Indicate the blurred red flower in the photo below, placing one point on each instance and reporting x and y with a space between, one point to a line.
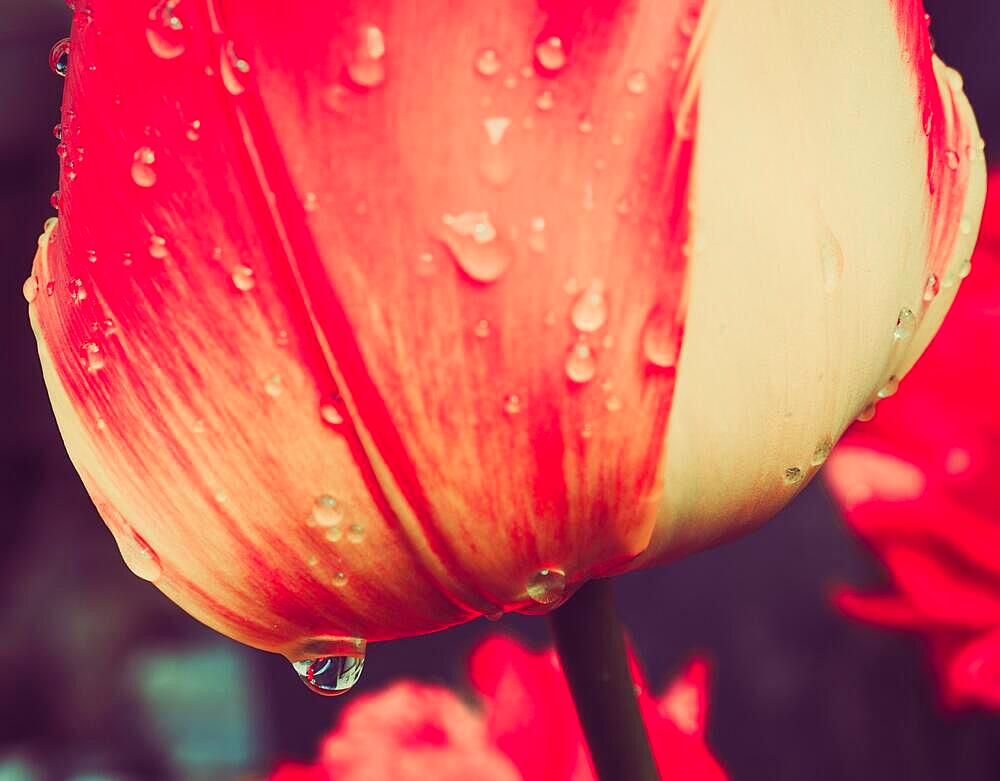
919 485
525 730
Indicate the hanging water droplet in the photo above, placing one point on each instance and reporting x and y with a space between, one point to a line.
890 388
550 54
793 475
965 268
832 259
613 403
512 404
590 311
243 279
233 69
581 366
57 132
482 329
193 133
905 324
330 676
273 386
30 288
547 586
340 579
91 256
93 357
488 63
164 30
545 100
355 533
365 65
867 413
473 242
637 82
497 163
822 452
143 173
59 57
54 200
330 410
327 511
932 287
138 555
158 247
661 339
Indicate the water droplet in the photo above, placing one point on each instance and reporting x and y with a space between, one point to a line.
233 69
661 339
365 65
688 23
867 413
587 431
327 511
93 357
243 279
62 151
952 159
890 387
832 259
273 386
581 366
126 258
550 54
497 163
545 100
637 82
482 329
340 579
965 226
164 31
932 287
537 241
310 202
330 409
472 240
193 133
77 292
91 256
158 247
547 586
138 555
488 63
586 125
822 452
54 200
613 403
965 268
59 57
793 475
50 288
330 676
57 132
355 533
512 404
905 324
30 289
143 173
590 311
334 534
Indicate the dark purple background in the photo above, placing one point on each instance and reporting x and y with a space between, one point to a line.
100 674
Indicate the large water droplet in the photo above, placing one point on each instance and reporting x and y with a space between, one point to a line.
138 555
889 389
952 160
551 54
661 339
822 452
867 413
143 173
473 242
590 311
30 288
243 279
487 63
932 287
327 511
905 324
581 366
832 259
158 247
331 410
793 475
233 69
331 676
59 57
547 586
164 31
366 63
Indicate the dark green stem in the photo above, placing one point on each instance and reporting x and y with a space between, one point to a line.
591 648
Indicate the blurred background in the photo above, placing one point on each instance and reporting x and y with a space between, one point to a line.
103 678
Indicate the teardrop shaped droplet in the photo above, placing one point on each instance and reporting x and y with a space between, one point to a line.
497 163
868 413
473 242
932 287
164 33
143 173
547 586
590 311
59 57
889 389
330 676
581 366
551 54
331 409
905 324
366 64
661 339
138 555
233 69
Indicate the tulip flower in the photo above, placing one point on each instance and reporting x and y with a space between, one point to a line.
361 320
918 484
523 730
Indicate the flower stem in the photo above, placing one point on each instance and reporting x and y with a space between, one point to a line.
591 647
